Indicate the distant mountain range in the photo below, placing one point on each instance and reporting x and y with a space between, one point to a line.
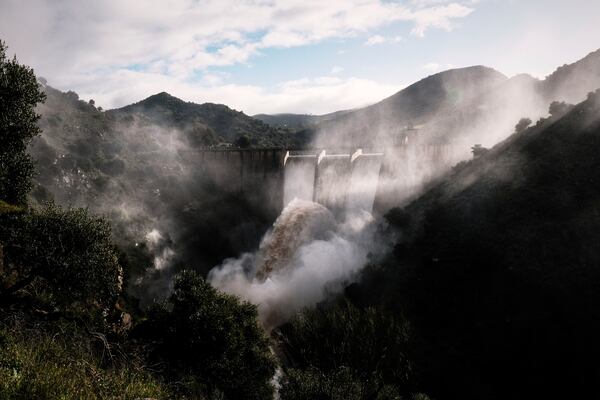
298 121
453 105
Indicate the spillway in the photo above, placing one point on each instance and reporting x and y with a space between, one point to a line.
299 177
332 180
363 181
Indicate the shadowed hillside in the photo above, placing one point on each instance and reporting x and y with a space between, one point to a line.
497 268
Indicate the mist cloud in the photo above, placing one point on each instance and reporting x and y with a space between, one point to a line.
323 257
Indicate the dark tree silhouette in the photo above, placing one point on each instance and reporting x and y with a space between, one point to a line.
522 125
19 94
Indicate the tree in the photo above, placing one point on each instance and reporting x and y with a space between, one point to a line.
478 150
212 339
242 142
19 94
559 108
68 253
522 125
92 103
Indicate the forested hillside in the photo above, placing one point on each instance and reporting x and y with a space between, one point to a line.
497 266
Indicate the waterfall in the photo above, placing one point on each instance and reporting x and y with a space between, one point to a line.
363 181
333 178
299 177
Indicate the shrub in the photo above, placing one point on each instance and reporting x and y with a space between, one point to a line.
211 340
339 384
364 349
68 253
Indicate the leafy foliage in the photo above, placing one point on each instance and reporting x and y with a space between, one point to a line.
211 340
523 124
68 251
339 384
19 94
341 350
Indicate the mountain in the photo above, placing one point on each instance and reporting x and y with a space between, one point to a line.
466 105
298 121
206 123
571 82
497 266
387 121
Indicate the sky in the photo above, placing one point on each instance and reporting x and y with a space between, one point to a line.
300 56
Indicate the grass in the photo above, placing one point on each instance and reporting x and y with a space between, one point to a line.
42 363
6 208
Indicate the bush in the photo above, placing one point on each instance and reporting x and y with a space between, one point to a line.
211 341
68 253
340 384
343 346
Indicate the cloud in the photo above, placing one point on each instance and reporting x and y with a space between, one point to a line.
373 40
66 36
336 70
440 17
378 39
310 95
116 51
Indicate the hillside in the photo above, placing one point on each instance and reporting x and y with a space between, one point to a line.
497 268
206 123
143 172
386 122
298 121
570 82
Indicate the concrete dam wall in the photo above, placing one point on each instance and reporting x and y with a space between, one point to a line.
349 179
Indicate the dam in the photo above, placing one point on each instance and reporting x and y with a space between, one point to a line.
340 179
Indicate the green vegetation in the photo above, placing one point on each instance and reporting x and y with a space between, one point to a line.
67 253
340 351
210 340
206 124
19 93
61 361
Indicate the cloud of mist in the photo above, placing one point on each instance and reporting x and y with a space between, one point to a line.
306 257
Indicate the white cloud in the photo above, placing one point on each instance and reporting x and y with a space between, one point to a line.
316 96
438 17
378 39
336 70
373 40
